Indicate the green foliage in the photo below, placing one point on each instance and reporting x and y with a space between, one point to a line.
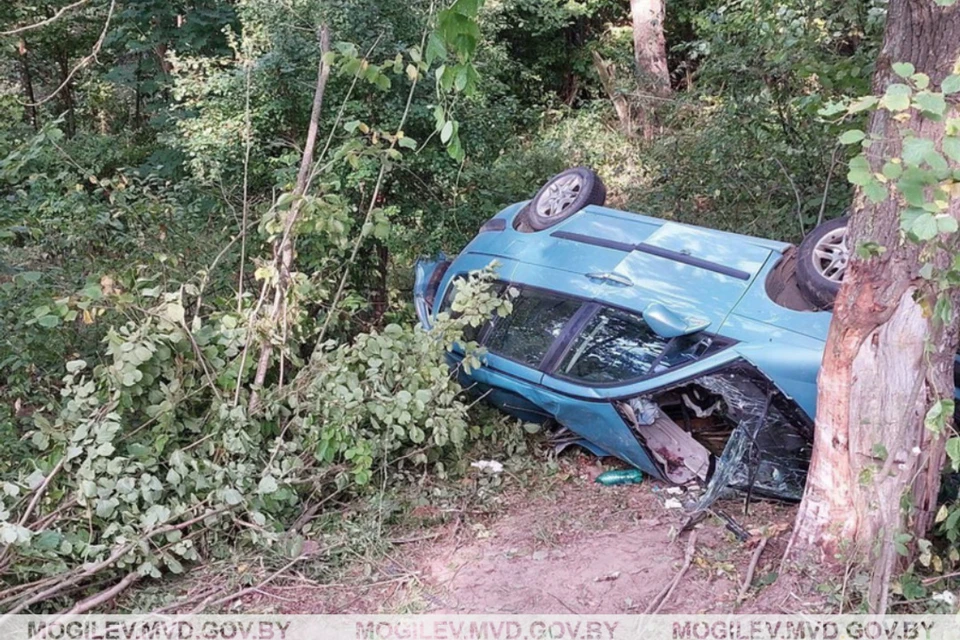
152 437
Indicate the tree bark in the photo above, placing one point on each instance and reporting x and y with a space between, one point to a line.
66 94
650 56
650 45
26 82
875 471
607 72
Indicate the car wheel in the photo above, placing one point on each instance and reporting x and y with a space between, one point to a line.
822 262
563 195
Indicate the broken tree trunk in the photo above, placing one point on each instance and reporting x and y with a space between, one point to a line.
876 468
283 249
607 71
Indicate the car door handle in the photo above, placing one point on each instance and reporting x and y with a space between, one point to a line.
615 278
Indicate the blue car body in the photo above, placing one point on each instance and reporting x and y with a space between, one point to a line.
712 280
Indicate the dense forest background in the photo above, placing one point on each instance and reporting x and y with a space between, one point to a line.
149 158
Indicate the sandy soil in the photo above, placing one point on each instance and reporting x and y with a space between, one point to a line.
571 546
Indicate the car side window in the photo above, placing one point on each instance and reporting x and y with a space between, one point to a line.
616 346
536 321
470 334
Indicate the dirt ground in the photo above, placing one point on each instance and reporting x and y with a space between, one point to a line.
572 546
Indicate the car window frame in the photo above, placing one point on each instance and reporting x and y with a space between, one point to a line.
717 344
558 349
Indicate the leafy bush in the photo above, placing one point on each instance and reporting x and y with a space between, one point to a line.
153 450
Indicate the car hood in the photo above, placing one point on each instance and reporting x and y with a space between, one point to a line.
632 261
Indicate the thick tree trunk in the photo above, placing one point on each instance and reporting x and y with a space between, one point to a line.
650 55
650 45
876 468
26 83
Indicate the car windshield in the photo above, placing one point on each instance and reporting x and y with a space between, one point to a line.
535 322
616 346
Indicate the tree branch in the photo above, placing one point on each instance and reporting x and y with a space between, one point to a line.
43 23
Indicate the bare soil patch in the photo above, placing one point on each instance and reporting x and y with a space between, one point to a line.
567 545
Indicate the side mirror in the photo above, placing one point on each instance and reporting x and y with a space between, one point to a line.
669 324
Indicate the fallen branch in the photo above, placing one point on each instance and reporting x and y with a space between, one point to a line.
664 596
37 495
751 569
273 576
104 596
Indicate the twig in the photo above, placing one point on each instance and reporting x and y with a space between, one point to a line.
826 186
273 576
429 536
796 194
38 494
83 62
104 596
43 23
751 569
664 596
248 135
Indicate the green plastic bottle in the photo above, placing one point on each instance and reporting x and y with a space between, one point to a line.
620 476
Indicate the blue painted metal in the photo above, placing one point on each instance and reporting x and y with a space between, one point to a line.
785 345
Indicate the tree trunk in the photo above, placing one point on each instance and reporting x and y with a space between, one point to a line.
876 468
650 45
650 55
66 94
26 82
283 247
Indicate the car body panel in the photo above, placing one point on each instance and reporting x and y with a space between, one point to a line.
631 261
596 421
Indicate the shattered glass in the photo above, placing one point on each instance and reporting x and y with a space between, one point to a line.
758 440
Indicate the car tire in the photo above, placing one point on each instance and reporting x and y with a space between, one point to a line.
822 261
562 196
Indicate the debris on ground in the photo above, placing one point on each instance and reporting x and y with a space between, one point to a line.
620 476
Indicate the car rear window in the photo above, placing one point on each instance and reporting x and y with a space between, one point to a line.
526 334
616 346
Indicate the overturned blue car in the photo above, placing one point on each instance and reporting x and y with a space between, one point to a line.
689 353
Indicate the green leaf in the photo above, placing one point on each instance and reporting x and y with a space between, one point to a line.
915 150
407 143
922 80
897 97
931 103
951 147
852 136
892 170
859 173
946 223
953 451
864 103
436 49
48 321
232 497
903 69
267 485
876 191
950 84
923 227
447 132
